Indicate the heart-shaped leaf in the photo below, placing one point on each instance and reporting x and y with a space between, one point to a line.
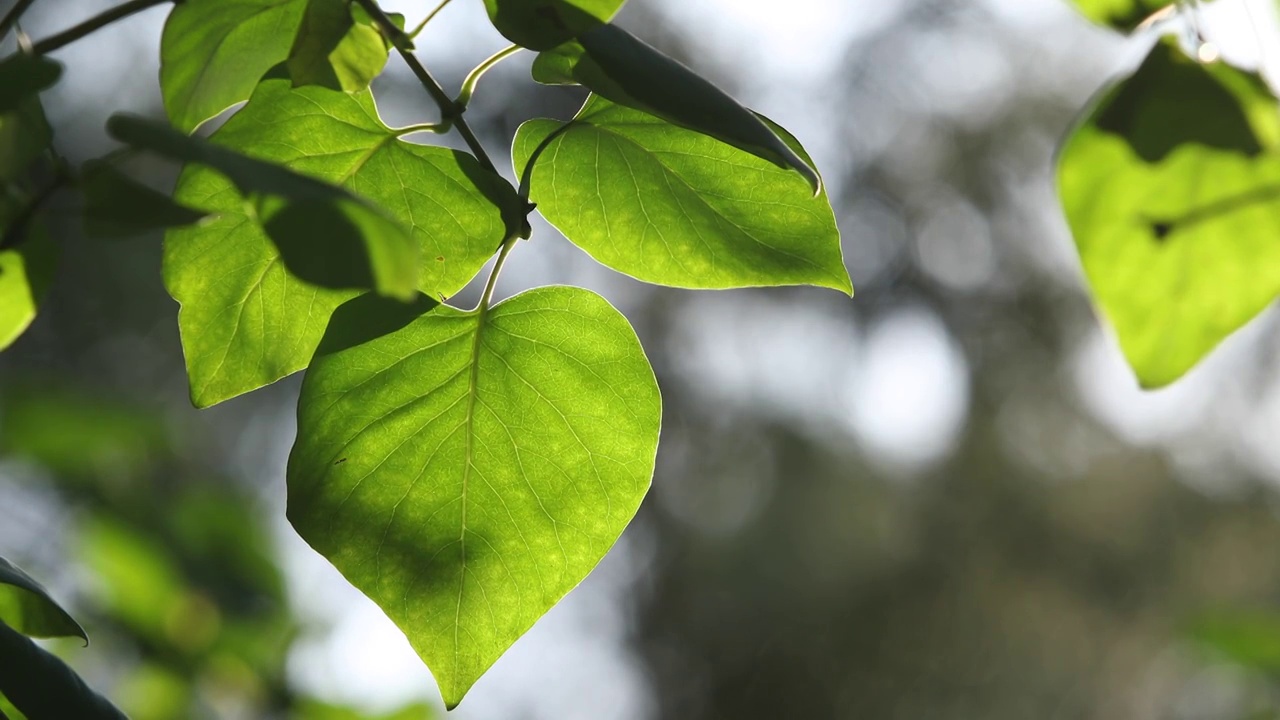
1171 186
469 469
214 52
28 608
245 321
675 207
544 24
613 64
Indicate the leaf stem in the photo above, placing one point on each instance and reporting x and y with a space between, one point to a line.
93 24
11 17
431 15
492 283
449 110
421 127
473 77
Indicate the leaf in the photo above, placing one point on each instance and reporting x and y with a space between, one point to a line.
24 136
28 608
214 52
1171 186
1124 15
323 234
245 322
674 207
41 686
22 77
116 205
338 47
544 24
612 63
469 470
26 272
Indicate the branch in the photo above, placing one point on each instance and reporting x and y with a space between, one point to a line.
93 24
450 111
11 17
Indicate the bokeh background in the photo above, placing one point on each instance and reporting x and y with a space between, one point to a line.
946 498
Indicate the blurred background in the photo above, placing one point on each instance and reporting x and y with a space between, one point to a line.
946 498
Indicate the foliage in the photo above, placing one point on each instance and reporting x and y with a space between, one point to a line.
466 468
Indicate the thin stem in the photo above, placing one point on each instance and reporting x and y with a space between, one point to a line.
11 18
489 286
473 77
448 108
414 33
421 127
93 24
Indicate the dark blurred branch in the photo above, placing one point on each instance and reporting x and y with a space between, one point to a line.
11 17
16 232
93 24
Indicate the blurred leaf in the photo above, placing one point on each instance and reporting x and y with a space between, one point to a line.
22 77
221 536
674 207
42 686
116 205
1122 15
613 64
338 47
245 322
214 52
24 137
26 272
1250 639
315 710
154 692
28 608
8 711
468 470
323 234
544 24
78 436
1171 187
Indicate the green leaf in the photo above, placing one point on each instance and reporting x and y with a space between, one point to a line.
674 207
116 205
246 322
544 24
470 469
1124 15
338 47
22 77
28 608
214 52
612 63
1171 186
323 234
26 272
24 136
41 686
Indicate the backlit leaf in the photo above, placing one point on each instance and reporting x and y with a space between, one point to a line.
26 272
544 24
213 53
28 608
338 47
470 469
1122 15
1171 187
613 64
246 322
675 207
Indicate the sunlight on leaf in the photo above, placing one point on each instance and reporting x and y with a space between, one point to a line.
28 608
468 470
674 207
1171 187
543 24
